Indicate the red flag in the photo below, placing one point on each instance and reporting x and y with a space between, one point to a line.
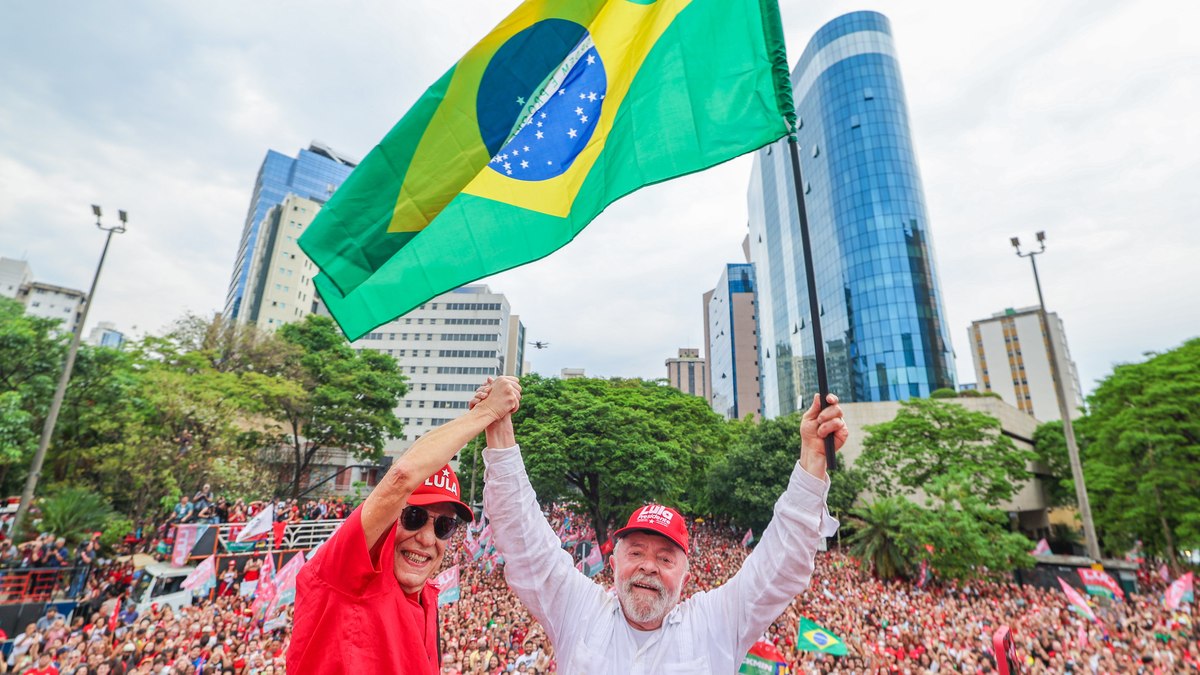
607 547
114 619
748 538
1042 548
1164 573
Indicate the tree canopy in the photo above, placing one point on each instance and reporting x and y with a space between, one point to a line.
1142 451
609 446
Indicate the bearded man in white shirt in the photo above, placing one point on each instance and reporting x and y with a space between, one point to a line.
642 628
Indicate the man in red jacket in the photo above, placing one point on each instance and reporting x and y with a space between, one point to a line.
363 604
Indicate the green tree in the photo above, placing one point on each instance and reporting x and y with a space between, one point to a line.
745 482
609 446
880 539
968 538
1050 444
940 445
337 398
1143 427
73 512
31 353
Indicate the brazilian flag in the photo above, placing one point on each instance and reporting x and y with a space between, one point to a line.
812 638
565 107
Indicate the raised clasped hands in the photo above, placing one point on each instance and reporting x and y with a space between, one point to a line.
499 397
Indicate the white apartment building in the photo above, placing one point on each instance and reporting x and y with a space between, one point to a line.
54 302
280 282
1011 354
446 348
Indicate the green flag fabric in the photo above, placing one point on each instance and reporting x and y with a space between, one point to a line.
565 107
813 638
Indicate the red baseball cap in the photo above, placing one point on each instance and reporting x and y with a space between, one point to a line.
442 488
657 519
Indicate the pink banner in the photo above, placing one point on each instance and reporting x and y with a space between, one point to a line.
186 537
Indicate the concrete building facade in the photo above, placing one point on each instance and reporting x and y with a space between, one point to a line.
446 347
731 339
1011 353
280 288
686 372
314 174
1029 506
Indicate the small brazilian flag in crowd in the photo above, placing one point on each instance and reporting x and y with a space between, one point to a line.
565 107
813 638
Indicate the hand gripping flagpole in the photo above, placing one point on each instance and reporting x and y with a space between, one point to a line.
814 309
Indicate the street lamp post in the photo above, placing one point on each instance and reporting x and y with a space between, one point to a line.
39 458
1081 496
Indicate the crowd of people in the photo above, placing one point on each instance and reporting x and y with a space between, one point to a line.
887 627
218 635
206 507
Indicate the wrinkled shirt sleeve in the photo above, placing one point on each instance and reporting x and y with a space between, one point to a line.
536 567
780 566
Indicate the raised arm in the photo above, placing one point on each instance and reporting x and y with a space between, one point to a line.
782 564
537 569
430 453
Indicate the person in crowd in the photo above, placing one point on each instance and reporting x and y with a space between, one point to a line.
644 625
363 603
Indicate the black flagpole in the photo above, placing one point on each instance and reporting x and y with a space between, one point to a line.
814 309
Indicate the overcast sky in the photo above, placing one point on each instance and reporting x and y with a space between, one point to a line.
1078 118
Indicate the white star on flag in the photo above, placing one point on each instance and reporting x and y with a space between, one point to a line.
591 96
578 111
571 133
582 95
539 135
583 119
591 59
507 166
516 152
524 164
520 101
543 115
526 148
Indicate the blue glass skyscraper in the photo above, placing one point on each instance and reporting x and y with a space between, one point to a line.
880 302
313 174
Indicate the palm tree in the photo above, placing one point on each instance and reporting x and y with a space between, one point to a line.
879 541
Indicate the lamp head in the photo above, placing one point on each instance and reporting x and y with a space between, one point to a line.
95 210
123 216
1041 236
1016 242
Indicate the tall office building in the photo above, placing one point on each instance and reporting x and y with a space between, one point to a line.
1011 351
686 373
446 348
280 285
314 174
731 337
879 300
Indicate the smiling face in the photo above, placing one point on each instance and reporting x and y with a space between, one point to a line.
419 554
649 571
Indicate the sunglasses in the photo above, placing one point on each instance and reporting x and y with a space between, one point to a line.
414 518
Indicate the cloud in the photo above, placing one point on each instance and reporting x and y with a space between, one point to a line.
1072 118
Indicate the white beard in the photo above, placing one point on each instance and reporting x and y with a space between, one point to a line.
640 608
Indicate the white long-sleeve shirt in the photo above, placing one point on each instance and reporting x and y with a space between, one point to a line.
708 633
